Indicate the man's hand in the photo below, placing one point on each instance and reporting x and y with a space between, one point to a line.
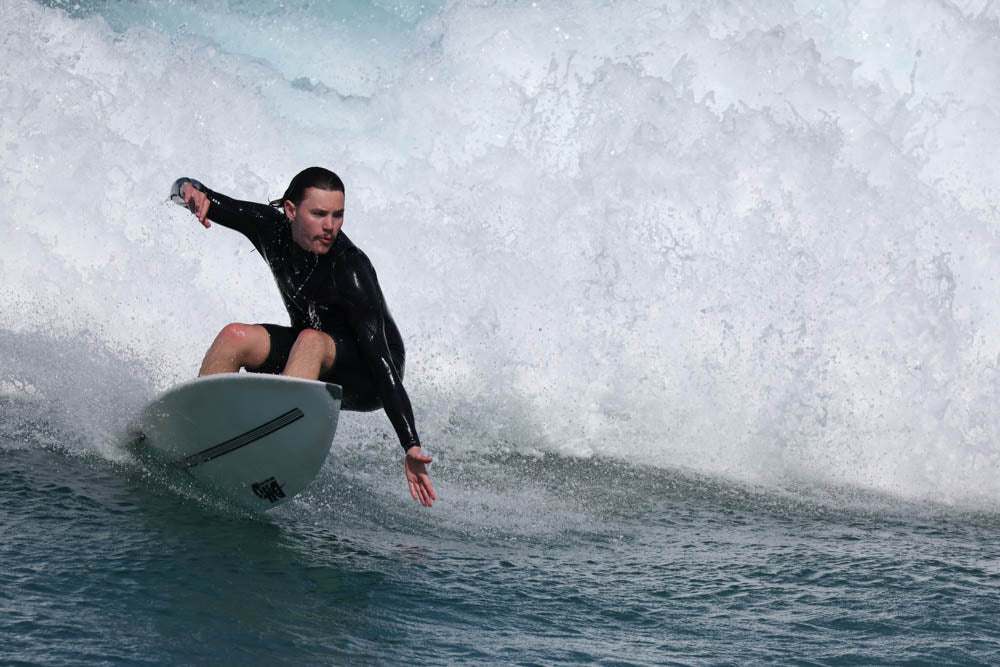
416 475
197 202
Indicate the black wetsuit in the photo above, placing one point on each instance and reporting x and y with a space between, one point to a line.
336 293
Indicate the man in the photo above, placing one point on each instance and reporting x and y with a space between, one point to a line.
341 330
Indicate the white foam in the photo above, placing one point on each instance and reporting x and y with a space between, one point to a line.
755 240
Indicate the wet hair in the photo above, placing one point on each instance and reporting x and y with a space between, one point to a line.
313 177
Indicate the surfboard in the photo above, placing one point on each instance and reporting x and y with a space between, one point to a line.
256 439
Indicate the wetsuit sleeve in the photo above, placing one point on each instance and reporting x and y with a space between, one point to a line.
360 286
248 218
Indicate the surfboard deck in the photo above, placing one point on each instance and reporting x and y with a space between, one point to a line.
256 439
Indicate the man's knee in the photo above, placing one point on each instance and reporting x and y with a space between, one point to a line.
234 333
319 343
248 343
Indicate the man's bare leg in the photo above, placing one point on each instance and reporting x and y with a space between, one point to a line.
237 346
312 355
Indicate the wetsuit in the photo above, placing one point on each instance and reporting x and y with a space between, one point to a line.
336 293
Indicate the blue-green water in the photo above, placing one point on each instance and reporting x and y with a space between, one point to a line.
102 564
699 305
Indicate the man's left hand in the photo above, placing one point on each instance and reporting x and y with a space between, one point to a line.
417 477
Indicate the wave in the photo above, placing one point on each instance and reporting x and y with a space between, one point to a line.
753 241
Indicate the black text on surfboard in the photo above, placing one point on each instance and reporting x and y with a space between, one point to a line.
268 489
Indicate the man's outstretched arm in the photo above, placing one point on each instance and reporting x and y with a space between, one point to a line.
245 217
369 327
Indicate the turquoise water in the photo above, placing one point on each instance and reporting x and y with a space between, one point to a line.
699 305
646 567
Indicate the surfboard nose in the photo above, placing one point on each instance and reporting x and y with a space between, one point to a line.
257 439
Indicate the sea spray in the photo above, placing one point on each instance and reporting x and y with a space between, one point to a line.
749 241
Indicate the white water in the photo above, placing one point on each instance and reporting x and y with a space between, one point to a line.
751 239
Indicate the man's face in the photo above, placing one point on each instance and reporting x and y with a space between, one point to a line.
317 219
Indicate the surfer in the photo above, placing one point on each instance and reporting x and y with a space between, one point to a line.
341 330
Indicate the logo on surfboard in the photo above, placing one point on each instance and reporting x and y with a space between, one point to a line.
269 489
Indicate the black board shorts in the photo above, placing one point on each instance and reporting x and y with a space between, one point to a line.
349 369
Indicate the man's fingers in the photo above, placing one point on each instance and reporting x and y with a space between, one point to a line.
198 205
416 491
419 480
203 212
419 489
425 484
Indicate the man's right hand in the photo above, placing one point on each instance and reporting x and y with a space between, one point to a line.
197 202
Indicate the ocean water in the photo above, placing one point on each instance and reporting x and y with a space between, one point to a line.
699 301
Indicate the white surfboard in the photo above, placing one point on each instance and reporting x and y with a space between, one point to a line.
257 439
